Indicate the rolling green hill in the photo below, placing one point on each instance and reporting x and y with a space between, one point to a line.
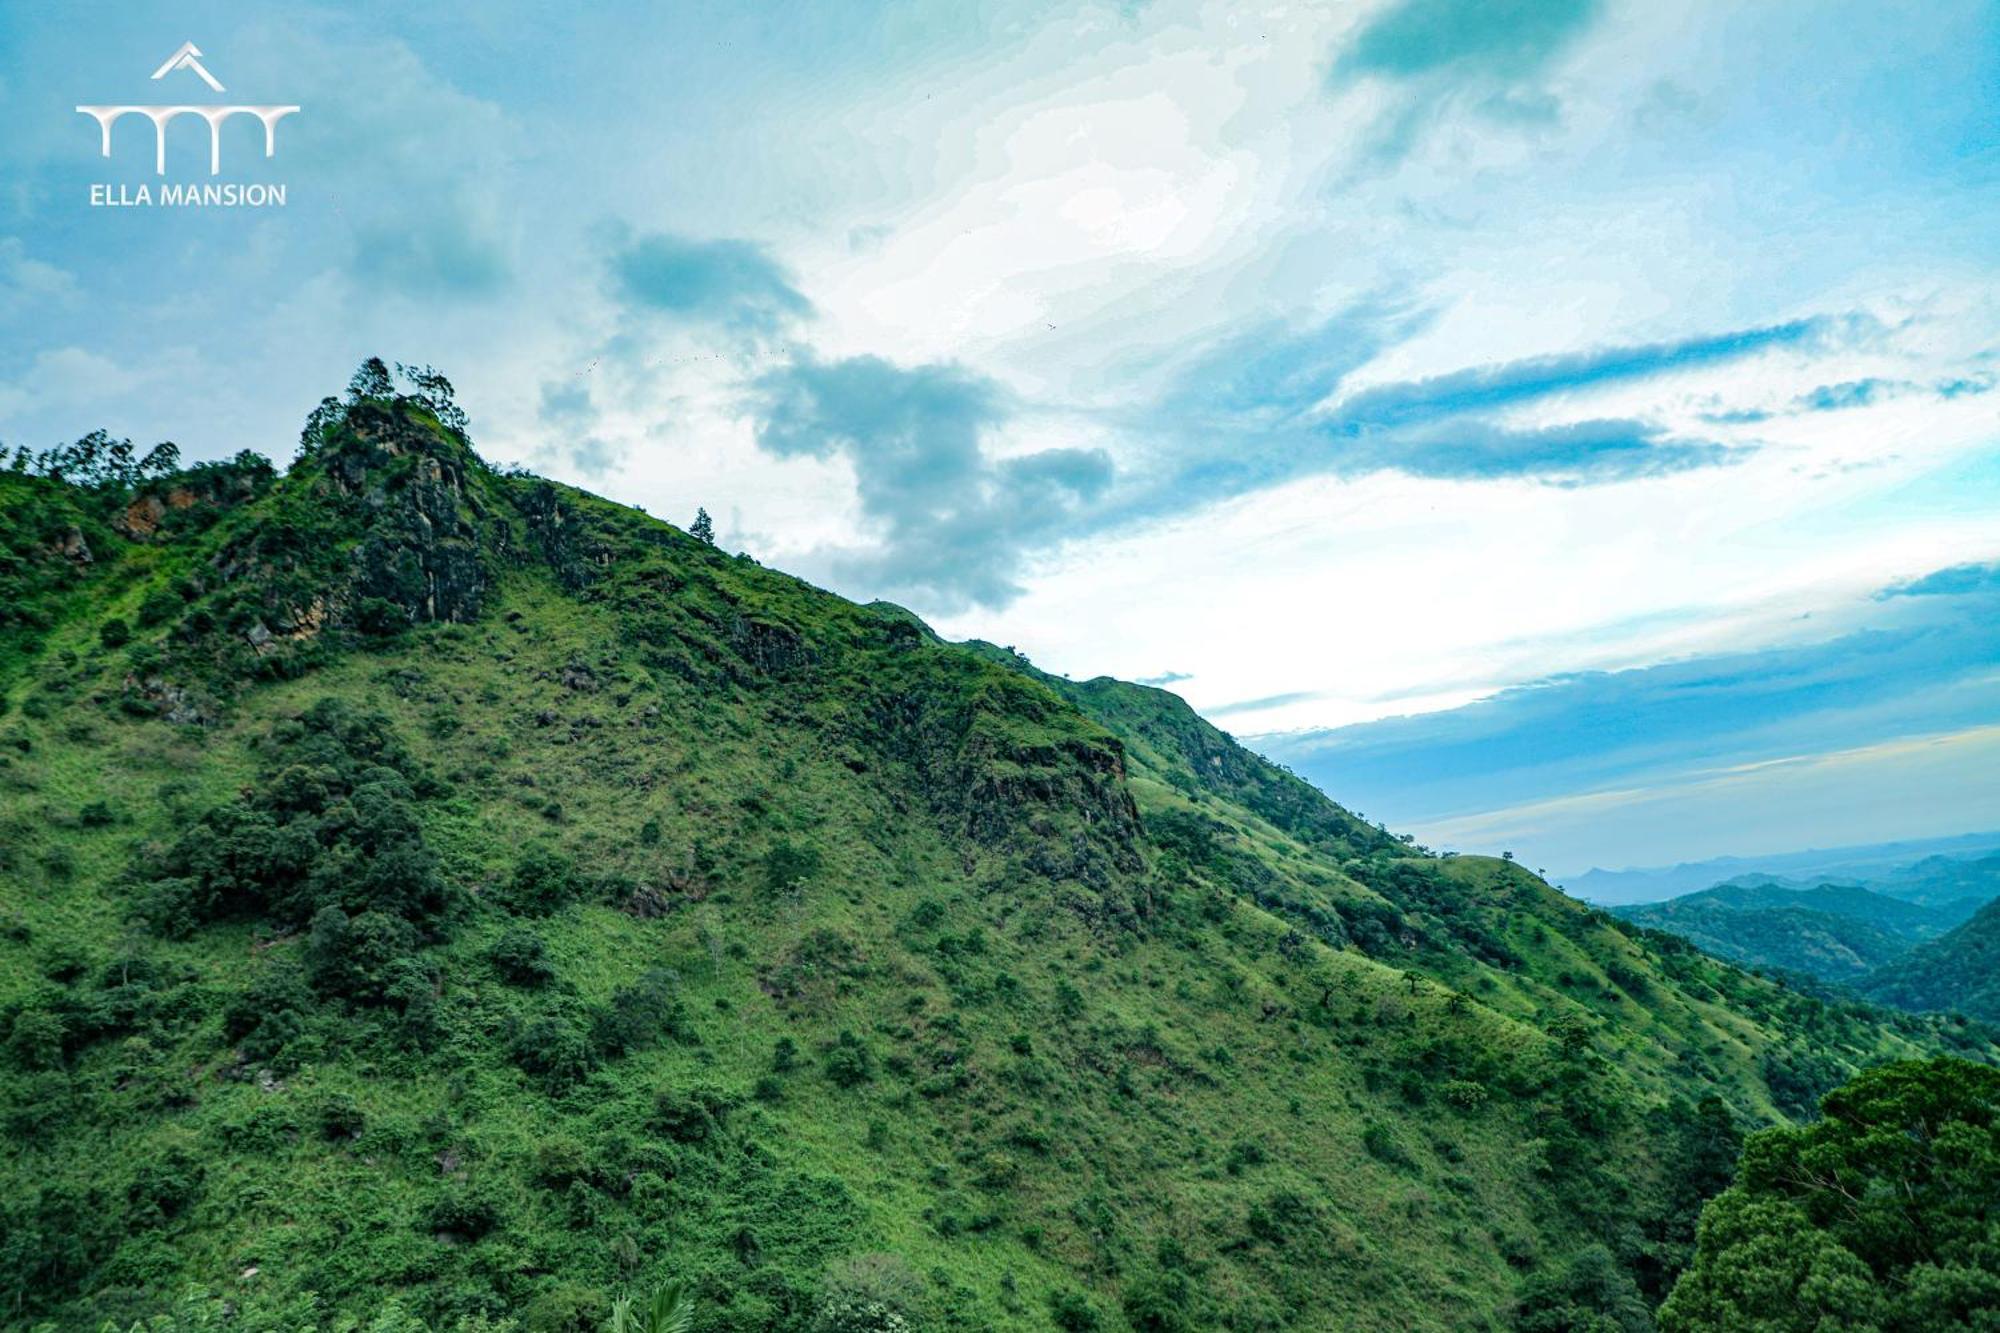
434 893
1833 932
1959 972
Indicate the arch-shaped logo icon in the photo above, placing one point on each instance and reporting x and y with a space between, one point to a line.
188 58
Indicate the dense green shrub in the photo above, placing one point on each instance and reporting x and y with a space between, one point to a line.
1161 1303
359 958
271 1014
36 1039
159 606
544 881
690 1115
1591 1292
647 1011
335 823
788 865
1072 1312
555 1049
848 1062
521 958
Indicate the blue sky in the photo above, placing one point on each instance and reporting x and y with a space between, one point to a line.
1565 425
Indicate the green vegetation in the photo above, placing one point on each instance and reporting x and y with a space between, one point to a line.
1959 971
1935 947
1884 1214
1832 932
459 899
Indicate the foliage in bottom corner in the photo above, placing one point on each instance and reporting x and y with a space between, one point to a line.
1883 1215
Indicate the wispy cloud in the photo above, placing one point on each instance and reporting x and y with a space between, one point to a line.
1580 453
1274 370
1266 405
1264 704
1869 391
1849 393
1487 388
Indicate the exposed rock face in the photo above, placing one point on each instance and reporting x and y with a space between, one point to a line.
72 547
423 557
563 538
771 648
1057 799
422 554
143 516
173 703
208 488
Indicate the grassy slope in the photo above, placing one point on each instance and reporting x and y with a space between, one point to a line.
1103 1063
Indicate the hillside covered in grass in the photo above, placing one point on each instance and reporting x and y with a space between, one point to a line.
428 893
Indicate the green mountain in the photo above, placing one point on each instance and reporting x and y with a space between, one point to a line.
1959 972
432 893
1834 932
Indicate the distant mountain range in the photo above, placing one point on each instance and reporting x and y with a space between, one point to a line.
1845 865
1836 932
1921 936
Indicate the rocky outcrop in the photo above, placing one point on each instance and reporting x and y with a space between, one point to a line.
423 553
388 533
200 494
423 557
141 519
1011 767
170 702
771 648
71 546
566 541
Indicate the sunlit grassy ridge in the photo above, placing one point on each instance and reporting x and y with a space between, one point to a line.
742 933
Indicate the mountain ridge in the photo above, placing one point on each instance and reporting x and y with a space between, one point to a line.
1834 932
438 888
1657 883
